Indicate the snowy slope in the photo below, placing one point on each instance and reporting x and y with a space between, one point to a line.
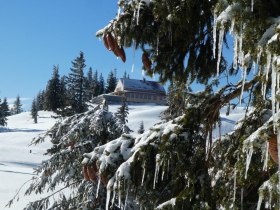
17 158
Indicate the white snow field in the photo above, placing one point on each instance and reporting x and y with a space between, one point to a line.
17 158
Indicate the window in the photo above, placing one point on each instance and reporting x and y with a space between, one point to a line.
155 97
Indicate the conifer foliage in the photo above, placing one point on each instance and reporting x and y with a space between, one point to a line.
52 96
34 110
141 128
76 84
111 82
17 108
71 138
3 114
180 165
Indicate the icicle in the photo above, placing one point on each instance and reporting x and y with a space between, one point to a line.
265 157
133 56
268 64
273 96
278 148
254 67
252 5
119 12
260 201
220 48
214 35
98 186
248 159
244 71
240 42
138 13
235 50
232 26
127 190
156 170
163 172
234 184
119 194
270 198
113 199
108 199
143 176
277 92
259 55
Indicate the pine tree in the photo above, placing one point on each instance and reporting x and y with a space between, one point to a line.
76 84
101 85
96 85
122 115
111 82
52 95
182 41
41 100
34 110
5 107
3 118
125 75
181 166
175 100
98 126
89 85
141 128
17 106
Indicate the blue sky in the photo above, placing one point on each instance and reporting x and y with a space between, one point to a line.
37 34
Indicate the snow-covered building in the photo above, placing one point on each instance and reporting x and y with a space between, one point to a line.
141 91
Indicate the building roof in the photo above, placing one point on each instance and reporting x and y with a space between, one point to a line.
141 85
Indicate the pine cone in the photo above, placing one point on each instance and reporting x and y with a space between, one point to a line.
119 52
92 172
272 148
85 173
146 61
105 41
111 41
122 54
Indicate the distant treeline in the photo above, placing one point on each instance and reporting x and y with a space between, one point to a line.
69 94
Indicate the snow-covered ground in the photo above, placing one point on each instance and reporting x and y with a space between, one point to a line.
17 158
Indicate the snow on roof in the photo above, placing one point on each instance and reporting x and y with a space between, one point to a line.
141 85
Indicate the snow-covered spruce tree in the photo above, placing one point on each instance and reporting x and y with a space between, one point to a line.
53 97
34 110
179 164
3 117
62 173
141 128
183 41
122 114
111 81
5 107
17 108
101 85
76 85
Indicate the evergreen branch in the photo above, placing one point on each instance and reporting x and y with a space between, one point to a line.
17 193
42 200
